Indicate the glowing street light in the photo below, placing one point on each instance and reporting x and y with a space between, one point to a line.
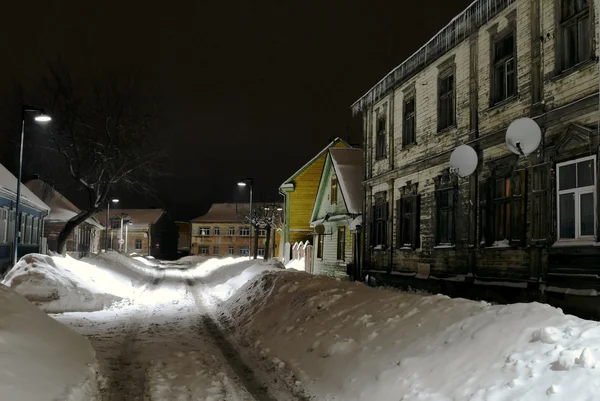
113 200
243 183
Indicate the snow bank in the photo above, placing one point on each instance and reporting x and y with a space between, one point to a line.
62 284
40 359
297 264
346 341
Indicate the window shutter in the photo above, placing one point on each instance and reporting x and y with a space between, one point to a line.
399 214
438 216
416 222
485 229
386 215
541 216
518 223
372 227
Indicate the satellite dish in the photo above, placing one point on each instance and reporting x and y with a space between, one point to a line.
523 136
320 229
463 160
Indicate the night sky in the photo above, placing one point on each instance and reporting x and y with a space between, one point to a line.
253 88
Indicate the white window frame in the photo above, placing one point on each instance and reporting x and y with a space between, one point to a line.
261 252
231 250
136 243
3 225
204 231
203 248
244 231
217 230
262 232
244 251
578 192
231 230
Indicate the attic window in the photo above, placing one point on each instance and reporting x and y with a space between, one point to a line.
334 189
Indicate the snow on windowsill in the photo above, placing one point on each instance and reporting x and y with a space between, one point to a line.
575 242
501 284
445 246
459 278
570 291
500 244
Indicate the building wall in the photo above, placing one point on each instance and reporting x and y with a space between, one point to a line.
565 106
222 241
329 264
84 239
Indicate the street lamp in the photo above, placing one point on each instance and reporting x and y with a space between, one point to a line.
40 117
113 200
243 183
121 240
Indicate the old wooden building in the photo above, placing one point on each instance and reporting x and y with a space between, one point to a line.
526 224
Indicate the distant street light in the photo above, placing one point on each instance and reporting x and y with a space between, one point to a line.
40 117
113 200
243 183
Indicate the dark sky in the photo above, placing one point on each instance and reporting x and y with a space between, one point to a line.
250 88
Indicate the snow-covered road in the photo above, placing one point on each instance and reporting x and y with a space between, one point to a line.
165 346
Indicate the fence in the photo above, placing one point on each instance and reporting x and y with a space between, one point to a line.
300 251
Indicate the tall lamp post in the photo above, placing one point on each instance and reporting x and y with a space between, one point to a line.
113 200
41 117
248 182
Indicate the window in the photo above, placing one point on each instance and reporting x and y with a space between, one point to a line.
505 78
408 128
320 246
3 225
244 251
379 224
217 231
262 232
138 244
576 35
22 236
231 230
501 204
445 215
341 243
539 202
115 224
408 229
380 138
446 100
261 252
203 250
231 251
576 198
204 231
334 189
216 250
245 231
35 231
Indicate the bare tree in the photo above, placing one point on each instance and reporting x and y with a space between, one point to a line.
266 216
102 132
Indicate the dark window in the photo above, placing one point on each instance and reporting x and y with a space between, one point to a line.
445 215
215 250
320 246
380 140
334 189
138 244
446 101
341 243
203 250
576 36
379 224
217 231
539 202
408 128
231 230
245 231
505 78
408 229
231 251
115 224
204 231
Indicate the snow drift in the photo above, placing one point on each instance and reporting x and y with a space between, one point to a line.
40 359
346 341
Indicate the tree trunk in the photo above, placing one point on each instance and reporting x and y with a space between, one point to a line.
255 241
67 230
267 241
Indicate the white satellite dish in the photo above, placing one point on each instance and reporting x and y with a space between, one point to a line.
463 160
523 136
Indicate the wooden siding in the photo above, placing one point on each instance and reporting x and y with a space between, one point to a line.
329 265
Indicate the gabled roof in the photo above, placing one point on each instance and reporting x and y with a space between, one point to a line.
140 218
349 165
311 161
61 209
8 184
225 213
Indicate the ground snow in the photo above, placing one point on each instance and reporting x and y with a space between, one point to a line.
40 359
297 264
345 341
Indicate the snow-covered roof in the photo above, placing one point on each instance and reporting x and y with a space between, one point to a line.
8 183
348 164
458 29
224 213
140 219
311 161
61 209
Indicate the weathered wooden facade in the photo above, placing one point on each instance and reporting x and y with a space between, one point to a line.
33 213
526 224
184 243
299 192
338 204
85 238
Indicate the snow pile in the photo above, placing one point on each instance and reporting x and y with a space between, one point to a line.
40 359
62 284
297 264
346 341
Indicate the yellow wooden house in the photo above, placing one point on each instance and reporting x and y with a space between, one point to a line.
299 192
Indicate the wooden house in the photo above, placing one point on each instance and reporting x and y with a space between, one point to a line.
84 239
33 212
337 212
299 192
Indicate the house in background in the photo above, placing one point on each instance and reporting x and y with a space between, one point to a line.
33 212
337 212
149 232
224 231
84 239
299 192
184 242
